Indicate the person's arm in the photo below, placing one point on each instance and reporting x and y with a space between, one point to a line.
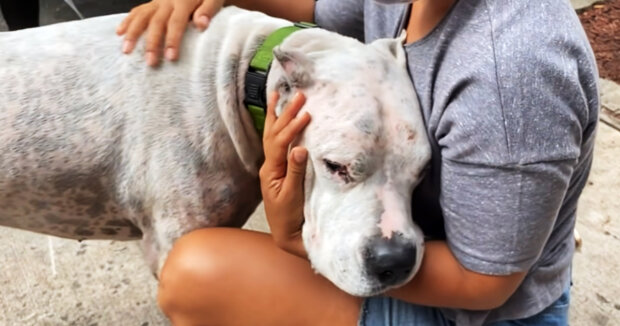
441 281
170 17
299 10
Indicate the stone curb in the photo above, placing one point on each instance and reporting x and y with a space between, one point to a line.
582 4
610 103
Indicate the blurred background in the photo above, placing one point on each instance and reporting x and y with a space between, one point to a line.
20 14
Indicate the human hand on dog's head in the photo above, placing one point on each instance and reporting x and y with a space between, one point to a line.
167 17
282 178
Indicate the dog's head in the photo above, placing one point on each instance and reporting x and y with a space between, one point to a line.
367 149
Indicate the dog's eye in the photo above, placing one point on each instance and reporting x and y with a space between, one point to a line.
338 169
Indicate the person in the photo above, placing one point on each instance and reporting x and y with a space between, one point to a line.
508 92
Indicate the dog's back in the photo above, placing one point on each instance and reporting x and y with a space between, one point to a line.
91 139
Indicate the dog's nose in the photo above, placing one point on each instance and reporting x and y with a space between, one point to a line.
391 260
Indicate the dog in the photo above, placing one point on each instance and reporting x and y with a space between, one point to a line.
96 145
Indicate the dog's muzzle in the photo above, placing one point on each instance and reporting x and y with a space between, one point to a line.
389 261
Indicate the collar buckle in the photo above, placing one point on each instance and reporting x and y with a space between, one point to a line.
255 84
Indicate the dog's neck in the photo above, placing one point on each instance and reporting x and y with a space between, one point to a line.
233 39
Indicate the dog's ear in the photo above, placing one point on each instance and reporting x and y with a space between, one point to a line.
297 68
393 47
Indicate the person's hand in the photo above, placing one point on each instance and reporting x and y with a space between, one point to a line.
281 179
168 17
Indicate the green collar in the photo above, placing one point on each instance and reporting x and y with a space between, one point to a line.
256 77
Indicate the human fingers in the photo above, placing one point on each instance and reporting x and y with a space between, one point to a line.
205 12
176 27
289 113
276 142
156 30
122 27
295 172
134 24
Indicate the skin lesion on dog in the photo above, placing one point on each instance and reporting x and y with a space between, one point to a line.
90 191
366 125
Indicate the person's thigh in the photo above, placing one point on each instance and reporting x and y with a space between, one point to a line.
385 311
554 315
225 276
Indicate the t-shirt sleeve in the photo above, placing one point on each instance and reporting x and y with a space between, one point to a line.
509 150
498 218
345 17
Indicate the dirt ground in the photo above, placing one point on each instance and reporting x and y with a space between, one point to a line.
602 24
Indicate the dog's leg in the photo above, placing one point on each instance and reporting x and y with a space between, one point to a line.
191 193
170 220
150 250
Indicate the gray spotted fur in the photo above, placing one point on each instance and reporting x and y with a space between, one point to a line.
96 145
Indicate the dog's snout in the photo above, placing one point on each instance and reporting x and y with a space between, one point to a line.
390 261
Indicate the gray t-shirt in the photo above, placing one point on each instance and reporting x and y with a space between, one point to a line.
508 91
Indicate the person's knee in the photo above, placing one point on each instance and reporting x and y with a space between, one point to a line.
189 278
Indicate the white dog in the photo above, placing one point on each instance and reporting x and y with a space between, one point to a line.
94 144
